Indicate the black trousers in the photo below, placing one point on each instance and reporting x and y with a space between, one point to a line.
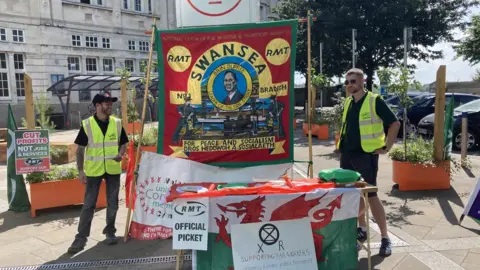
89 203
364 163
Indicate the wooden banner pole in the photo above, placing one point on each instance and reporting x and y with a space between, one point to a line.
140 137
123 102
29 104
441 84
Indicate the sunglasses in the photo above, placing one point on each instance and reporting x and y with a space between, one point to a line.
347 82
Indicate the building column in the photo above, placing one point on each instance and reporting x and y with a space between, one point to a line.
12 85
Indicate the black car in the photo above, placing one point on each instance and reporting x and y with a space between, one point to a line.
425 127
394 100
425 105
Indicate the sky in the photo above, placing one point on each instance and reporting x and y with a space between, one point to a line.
457 69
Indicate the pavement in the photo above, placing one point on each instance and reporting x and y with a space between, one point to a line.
423 227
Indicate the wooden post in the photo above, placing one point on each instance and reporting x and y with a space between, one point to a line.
309 87
464 139
439 113
140 137
29 107
123 101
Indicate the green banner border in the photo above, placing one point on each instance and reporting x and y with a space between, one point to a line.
161 79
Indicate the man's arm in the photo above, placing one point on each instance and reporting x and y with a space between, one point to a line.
390 120
80 157
81 141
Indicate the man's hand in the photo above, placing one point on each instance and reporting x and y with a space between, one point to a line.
381 151
118 158
82 178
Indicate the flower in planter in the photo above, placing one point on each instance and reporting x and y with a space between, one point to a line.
64 172
150 137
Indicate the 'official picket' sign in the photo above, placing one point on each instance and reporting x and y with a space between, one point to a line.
190 224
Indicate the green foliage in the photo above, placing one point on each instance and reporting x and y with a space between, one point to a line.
476 77
379 27
43 110
400 81
63 172
150 137
421 152
57 152
468 48
334 115
320 80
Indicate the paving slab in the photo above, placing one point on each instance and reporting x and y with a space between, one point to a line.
456 256
410 262
435 260
472 259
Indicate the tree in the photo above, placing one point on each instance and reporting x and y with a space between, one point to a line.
469 47
476 77
379 25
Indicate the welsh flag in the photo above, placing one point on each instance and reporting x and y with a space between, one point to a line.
333 214
16 190
448 131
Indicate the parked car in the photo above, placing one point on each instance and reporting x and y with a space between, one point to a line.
394 100
426 125
425 105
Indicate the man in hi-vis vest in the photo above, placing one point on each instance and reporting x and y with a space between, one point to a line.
362 140
101 144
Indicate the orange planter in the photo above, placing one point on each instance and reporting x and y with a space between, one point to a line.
410 177
61 193
151 148
321 131
134 128
294 123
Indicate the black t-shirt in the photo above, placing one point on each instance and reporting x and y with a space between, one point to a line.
82 138
350 141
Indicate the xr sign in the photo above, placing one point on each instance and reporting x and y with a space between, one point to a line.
214 8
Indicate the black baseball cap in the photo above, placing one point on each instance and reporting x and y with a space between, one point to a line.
105 97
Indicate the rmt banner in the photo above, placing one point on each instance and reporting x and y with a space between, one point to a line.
226 93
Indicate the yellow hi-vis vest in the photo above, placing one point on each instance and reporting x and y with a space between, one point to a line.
101 150
372 135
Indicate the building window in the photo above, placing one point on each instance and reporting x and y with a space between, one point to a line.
84 96
131 45
20 84
91 42
143 65
76 41
130 65
125 4
108 65
18 36
3 34
143 46
18 61
138 5
149 6
106 43
73 64
91 64
56 78
92 2
3 76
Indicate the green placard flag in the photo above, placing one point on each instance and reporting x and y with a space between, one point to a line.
16 190
448 131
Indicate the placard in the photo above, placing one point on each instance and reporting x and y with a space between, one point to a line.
190 224
32 151
273 245
216 12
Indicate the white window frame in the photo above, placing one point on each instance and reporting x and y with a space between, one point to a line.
112 65
108 43
76 40
150 6
132 44
137 4
126 4
4 35
78 62
18 36
87 65
133 65
144 46
93 41
5 71
19 71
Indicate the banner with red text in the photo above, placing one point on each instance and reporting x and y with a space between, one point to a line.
226 93
152 217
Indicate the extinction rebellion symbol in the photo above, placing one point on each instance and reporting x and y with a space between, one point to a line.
269 235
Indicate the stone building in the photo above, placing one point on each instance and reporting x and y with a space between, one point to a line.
53 39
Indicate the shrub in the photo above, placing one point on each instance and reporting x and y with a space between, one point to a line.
56 173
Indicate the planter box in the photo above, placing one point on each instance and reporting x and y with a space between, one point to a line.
61 193
134 128
151 148
320 131
410 177
3 152
68 157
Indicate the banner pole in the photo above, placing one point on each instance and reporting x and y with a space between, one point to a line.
310 110
145 98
